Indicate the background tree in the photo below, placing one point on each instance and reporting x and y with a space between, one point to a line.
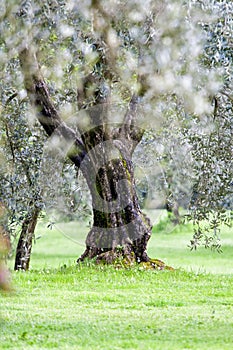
207 141
211 138
19 173
168 163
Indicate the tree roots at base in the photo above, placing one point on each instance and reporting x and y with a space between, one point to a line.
119 259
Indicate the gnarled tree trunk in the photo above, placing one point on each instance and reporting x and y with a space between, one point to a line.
24 246
118 222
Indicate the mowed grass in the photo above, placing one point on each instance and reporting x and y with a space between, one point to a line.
58 305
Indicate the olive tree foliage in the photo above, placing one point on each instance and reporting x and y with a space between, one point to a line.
21 147
202 173
164 60
212 199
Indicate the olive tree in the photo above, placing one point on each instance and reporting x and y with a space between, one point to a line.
211 138
114 67
19 189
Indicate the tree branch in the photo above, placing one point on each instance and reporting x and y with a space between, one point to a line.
46 111
130 115
227 95
129 131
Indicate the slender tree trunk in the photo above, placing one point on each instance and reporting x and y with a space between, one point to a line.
24 247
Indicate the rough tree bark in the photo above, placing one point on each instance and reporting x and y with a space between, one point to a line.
118 222
24 246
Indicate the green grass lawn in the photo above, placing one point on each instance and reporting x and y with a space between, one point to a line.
60 306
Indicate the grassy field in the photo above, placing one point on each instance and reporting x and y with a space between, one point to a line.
60 306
